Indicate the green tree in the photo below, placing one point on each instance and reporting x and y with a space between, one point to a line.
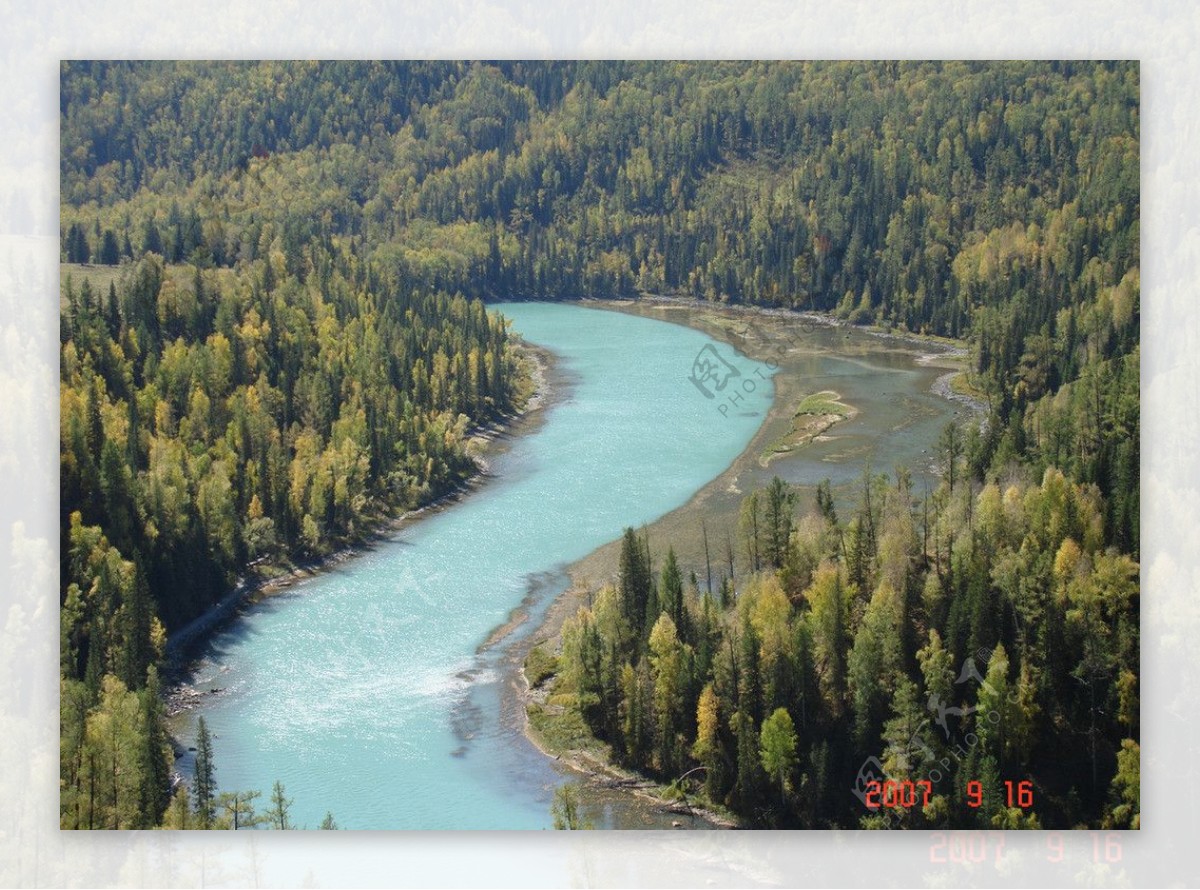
113 765
671 595
204 782
749 761
778 750
634 580
750 526
279 812
179 812
566 810
109 253
156 765
875 662
778 509
1126 794
950 447
238 809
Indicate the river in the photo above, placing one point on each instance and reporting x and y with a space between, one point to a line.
361 688
368 690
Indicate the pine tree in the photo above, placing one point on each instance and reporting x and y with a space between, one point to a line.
157 764
672 594
179 811
238 807
746 789
77 248
281 806
204 783
825 502
634 581
950 446
109 253
751 531
777 513
151 240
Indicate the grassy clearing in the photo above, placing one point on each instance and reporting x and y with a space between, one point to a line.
962 385
825 402
559 729
539 665
814 415
100 277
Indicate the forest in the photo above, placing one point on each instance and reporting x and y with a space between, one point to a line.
974 635
294 342
216 421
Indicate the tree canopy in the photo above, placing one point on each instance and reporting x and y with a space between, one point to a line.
288 343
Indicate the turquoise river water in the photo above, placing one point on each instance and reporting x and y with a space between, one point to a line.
368 689
362 690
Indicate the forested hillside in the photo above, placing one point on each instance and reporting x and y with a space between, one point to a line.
994 201
295 338
215 419
983 634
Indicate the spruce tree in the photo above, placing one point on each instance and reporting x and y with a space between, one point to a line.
157 751
672 594
204 783
280 807
780 503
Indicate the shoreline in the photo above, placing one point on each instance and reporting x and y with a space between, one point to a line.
757 350
806 318
595 771
587 574
480 444
603 774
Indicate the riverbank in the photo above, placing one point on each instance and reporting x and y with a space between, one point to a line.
385 642
775 336
540 386
589 758
948 353
798 417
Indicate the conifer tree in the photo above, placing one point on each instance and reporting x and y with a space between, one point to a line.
204 782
